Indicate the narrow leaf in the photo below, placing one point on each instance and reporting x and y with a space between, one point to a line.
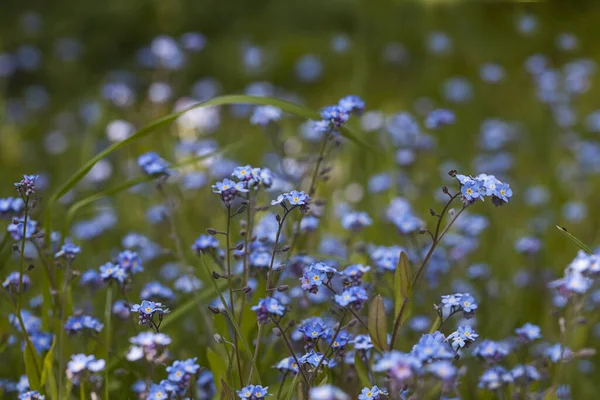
217 366
378 323
48 373
292 388
227 391
30 367
578 242
300 391
361 370
402 278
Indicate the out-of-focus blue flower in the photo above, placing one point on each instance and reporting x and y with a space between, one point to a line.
154 290
356 220
264 115
109 271
529 332
13 281
440 117
82 323
152 164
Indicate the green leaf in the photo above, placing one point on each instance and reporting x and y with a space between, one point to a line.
136 181
578 242
31 362
361 370
402 286
217 366
292 388
378 323
160 122
299 391
436 324
227 391
233 322
48 373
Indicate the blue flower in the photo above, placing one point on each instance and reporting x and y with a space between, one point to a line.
355 296
157 392
16 230
26 186
352 104
31 395
130 262
557 353
529 332
68 251
312 331
13 281
205 242
253 392
81 364
491 351
467 303
268 307
362 342
369 394
356 220
438 118
10 207
83 322
109 271
314 359
336 115
147 310
156 290
288 364
443 370
494 378
152 164
263 115
470 190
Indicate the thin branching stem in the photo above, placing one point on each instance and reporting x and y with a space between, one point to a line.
291 350
230 285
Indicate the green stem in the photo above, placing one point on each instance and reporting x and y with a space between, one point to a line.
311 192
230 285
108 332
81 390
291 350
20 294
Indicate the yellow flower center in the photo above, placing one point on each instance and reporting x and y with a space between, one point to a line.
316 277
314 333
467 334
248 394
109 271
469 191
243 172
502 192
225 187
369 394
336 344
159 395
296 199
467 304
148 309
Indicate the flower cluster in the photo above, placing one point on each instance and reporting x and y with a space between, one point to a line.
83 323
373 393
482 186
316 275
68 251
463 337
354 296
293 199
148 345
16 229
152 164
82 367
148 310
13 281
267 308
579 275
253 392
181 373
456 302
26 186
11 207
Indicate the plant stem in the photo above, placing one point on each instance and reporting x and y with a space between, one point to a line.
81 390
437 238
337 332
230 285
311 192
291 350
256 350
285 375
20 294
277 236
107 328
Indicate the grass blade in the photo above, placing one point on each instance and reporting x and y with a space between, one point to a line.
578 242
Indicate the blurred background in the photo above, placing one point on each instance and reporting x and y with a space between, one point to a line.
521 78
